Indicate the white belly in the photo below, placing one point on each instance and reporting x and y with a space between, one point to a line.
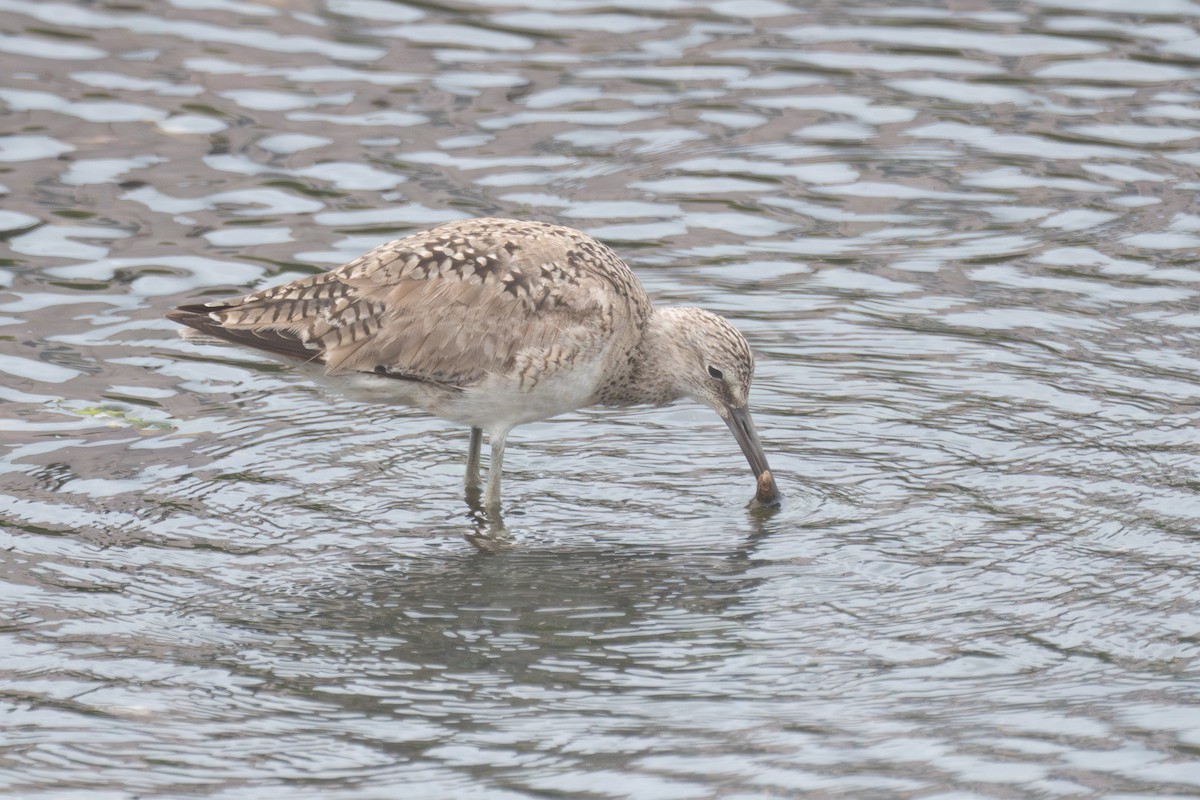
501 403
498 403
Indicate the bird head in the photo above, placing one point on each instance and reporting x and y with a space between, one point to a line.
714 366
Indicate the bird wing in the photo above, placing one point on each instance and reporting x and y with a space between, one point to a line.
449 306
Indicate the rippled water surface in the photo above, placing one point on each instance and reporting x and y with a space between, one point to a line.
961 237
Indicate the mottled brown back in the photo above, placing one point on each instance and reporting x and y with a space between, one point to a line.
449 305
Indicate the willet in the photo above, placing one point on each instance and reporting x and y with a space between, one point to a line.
492 323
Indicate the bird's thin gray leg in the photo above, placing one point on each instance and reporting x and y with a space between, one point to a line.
491 496
472 480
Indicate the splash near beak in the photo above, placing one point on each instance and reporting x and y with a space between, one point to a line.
740 422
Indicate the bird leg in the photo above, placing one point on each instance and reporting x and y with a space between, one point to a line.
491 496
472 480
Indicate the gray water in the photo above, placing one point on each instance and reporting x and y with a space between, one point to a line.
961 238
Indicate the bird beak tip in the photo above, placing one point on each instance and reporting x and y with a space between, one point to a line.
767 493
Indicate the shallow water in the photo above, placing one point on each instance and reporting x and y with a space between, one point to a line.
962 242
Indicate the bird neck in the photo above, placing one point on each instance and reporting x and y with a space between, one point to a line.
651 377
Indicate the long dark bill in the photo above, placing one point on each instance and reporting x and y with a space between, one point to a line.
742 425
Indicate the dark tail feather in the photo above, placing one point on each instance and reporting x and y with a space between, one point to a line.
279 343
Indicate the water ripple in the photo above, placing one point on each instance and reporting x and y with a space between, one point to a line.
961 242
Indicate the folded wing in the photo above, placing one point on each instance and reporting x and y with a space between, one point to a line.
449 306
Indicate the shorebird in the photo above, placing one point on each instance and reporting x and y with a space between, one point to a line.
493 323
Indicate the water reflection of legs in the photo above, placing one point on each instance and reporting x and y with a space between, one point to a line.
488 532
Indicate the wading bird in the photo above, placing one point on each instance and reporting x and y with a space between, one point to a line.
492 323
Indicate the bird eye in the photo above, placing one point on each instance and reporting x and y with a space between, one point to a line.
716 373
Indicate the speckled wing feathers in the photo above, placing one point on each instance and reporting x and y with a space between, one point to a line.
449 305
